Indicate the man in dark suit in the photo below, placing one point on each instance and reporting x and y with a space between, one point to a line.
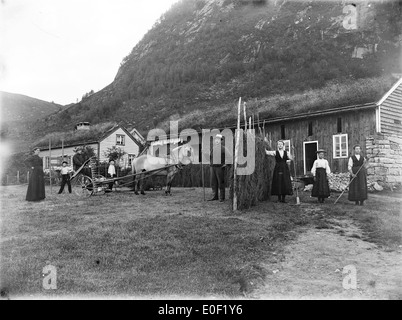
78 160
217 168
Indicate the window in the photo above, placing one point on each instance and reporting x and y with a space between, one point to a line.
283 131
339 125
120 139
310 128
54 162
340 146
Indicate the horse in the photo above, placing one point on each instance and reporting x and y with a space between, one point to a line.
161 166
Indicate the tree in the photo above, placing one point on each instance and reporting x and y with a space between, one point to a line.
114 153
87 151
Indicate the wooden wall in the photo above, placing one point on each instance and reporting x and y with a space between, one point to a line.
357 124
391 113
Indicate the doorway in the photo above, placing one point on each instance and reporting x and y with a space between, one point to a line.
309 154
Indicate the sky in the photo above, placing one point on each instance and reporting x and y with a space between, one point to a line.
58 50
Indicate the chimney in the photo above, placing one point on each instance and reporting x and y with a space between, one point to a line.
82 126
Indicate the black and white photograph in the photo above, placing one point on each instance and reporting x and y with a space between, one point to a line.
202 155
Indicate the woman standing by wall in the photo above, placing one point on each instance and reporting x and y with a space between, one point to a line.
281 182
320 171
357 169
36 184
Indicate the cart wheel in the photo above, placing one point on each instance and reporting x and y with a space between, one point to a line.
82 186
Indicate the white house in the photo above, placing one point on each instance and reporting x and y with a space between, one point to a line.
117 136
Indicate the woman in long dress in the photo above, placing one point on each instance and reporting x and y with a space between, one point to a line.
320 171
281 182
358 186
36 183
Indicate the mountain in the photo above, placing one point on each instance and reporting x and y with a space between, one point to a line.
20 114
18 107
202 55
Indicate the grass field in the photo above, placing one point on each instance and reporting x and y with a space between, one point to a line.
123 245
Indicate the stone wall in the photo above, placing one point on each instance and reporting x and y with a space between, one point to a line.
386 162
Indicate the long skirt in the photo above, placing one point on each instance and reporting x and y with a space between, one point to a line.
36 185
358 187
281 182
320 187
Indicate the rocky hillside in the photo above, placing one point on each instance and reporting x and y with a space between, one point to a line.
203 54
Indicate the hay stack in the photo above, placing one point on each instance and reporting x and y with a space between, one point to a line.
257 186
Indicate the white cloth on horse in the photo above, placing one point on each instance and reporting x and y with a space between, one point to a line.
111 170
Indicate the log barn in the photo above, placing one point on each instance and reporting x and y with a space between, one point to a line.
375 126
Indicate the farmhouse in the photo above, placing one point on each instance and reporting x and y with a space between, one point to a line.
99 138
375 126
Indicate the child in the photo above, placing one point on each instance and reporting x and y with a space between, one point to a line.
111 173
320 170
65 176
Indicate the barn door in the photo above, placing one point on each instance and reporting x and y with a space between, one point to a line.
309 155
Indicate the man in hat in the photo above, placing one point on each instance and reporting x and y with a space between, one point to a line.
65 177
320 172
78 160
217 168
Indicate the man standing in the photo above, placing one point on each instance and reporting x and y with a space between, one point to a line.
78 161
217 168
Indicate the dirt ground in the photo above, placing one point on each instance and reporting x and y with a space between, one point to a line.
314 263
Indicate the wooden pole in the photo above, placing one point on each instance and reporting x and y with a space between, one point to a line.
18 177
236 158
27 176
263 128
50 164
245 117
62 149
202 162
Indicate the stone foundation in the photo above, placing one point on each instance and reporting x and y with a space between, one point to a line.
386 160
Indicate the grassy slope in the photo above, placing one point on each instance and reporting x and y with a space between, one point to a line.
116 244
17 107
